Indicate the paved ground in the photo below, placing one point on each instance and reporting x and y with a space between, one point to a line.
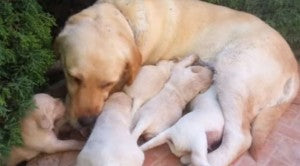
281 149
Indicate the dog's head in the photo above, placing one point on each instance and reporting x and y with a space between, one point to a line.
98 54
48 110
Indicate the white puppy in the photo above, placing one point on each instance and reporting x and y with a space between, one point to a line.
148 82
38 131
195 131
164 109
111 143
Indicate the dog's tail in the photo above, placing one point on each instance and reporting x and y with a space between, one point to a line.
156 141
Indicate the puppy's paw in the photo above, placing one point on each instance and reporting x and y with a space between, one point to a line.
78 145
203 74
187 61
186 159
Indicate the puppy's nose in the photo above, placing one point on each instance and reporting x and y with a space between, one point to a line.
86 120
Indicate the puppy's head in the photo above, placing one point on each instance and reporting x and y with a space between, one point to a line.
48 109
98 53
190 80
119 101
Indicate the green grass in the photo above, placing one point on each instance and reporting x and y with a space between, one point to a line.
25 55
283 15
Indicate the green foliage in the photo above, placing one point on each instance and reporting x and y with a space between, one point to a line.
25 55
283 15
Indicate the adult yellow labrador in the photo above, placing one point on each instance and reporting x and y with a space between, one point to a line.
256 73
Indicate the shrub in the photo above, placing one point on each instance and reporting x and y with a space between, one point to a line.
283 15
25 55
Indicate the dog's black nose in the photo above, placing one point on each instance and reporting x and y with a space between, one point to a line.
86 121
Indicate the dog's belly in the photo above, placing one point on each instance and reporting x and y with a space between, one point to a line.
247 59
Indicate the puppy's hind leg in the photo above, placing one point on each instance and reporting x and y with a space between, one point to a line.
199 151
156 141
186 159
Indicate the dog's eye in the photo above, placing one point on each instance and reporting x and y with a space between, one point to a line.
77 80
106 85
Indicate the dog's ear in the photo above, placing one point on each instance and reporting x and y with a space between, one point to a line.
133 65
44 122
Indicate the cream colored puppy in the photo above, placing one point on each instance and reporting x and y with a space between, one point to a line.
164 109
148 82
111 143
37 131
195 132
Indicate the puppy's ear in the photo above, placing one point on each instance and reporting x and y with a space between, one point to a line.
133 65
44 122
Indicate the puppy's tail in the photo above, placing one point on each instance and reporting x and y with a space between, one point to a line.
156 141
140 127
136 105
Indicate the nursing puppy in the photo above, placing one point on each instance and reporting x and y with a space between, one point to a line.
194 133
164 109
38 131
111 143
148 82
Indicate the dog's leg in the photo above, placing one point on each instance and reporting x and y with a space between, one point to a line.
63 145
233 84
263 125
236 135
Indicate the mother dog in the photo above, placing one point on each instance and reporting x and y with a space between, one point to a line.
256 73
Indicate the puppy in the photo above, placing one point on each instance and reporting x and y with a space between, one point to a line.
194 132
149 81
37 131
111 143
163 110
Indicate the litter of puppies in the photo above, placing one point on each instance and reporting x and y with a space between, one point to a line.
151 107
